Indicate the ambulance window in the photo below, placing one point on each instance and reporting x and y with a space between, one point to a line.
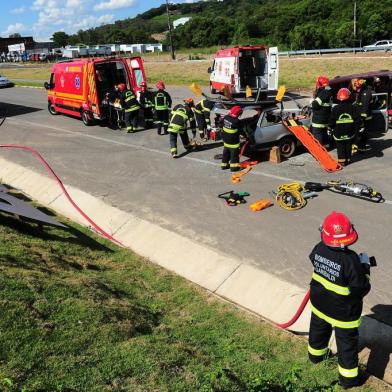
138 76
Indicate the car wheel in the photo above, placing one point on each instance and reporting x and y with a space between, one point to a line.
86 118
286 147
52 109
213 91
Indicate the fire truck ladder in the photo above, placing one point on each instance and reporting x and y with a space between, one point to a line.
302 133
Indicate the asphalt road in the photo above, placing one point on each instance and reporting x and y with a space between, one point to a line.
135 173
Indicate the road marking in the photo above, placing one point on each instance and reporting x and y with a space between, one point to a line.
153 150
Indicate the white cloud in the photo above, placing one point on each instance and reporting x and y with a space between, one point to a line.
19 10
114 4
14 28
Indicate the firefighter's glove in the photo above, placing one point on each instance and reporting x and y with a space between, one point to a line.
329 132
362 130
208 127
364 258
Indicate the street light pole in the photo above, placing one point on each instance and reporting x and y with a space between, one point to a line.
170 31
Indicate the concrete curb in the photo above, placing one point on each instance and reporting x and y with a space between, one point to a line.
251 288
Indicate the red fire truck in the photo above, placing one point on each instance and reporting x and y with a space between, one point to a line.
79 87
237 68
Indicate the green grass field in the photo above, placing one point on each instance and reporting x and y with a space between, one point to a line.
295 73
80 314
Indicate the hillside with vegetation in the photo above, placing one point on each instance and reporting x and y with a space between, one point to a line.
290 24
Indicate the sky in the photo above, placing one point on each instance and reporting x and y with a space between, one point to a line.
41 18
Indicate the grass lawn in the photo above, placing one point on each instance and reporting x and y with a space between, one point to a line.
80 314
295 73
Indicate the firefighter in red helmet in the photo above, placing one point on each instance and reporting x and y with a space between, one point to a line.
340 280
364 101
321 107
181 116
146 98
162 104
232 127
131 107
345 122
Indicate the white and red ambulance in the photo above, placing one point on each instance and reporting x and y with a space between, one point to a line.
236 68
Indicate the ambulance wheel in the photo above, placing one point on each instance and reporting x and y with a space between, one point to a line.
86 118
286 147
213 91
52 109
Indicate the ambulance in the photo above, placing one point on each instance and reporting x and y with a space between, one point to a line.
255 67
79 87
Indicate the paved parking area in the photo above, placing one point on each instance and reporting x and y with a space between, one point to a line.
135 173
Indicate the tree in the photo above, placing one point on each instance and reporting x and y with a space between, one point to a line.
60 39
15 35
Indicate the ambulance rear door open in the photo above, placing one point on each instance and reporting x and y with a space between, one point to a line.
252 69
273 69
136 70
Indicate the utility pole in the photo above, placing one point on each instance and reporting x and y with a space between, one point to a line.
355 22
170 31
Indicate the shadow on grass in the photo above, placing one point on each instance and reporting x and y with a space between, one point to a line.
69 235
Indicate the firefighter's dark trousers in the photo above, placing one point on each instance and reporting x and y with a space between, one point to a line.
232 156
344 150
347 345
173 140
161 120
131 119
201 124
148 117
364 136
320 133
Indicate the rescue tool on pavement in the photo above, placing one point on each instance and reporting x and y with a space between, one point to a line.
234 198
348 188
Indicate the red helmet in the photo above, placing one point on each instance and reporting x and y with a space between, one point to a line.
322 81
160 85
189 101
235 111
121 86
337 230
343 94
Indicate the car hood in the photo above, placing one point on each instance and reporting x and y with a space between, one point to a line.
3 79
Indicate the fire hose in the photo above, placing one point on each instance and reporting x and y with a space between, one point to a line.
111 238
53 174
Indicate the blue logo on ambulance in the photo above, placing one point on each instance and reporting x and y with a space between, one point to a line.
77 81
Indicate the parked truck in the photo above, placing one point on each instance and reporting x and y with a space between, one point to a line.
79 87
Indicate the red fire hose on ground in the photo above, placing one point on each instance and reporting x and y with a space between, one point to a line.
53 174
297 313
111 238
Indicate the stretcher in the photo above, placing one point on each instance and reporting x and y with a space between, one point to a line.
302 133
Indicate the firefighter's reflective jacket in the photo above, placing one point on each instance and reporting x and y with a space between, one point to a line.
162 100
232 127
180 116
204 108
146 99
339 283
364 101
129 101
345 120
321 107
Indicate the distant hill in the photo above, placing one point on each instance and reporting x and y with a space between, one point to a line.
291 24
